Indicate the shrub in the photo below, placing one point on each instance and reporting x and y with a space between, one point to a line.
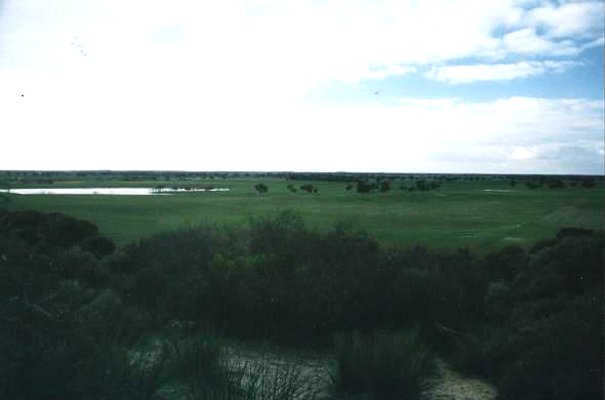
558 357
545 335
384 365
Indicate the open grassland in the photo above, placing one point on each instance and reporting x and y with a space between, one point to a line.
459 214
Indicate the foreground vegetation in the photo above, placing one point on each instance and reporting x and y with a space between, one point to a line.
82 321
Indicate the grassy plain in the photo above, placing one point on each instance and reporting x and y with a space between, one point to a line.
459 214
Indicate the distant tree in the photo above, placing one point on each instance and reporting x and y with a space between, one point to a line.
308 188
261 188
349 187
589 183
384 186
434 185
365 187
556 184
423 185
532 184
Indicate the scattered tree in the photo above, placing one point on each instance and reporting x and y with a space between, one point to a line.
365 187
261 188
308 188
384 186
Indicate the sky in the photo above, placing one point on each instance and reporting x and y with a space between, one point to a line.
445 86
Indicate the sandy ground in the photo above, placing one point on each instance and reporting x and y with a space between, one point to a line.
450 385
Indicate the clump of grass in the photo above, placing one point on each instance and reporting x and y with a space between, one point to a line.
195 365
262 379
383 365
205 372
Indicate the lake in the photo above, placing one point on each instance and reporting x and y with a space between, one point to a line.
109 191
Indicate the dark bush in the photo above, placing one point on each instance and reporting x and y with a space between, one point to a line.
53 319
100 246
545 335
49 232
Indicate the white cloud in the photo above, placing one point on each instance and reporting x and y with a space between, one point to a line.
393 70
126 132
295 45
517 134
527 42
570 19
522 153
218 85
497 72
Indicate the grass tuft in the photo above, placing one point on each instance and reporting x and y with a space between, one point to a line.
383 365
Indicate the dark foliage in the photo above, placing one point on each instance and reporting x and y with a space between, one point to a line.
48 232
543 336
71 312
54 308
277 279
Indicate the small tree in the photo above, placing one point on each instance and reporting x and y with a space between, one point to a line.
308 188
261 188
365 187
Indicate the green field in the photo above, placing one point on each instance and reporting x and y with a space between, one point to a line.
459 214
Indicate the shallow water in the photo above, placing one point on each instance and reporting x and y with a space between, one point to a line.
107 191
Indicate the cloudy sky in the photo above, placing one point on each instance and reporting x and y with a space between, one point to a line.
498 86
